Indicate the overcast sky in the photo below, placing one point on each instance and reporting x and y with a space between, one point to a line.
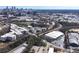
41 4
44 7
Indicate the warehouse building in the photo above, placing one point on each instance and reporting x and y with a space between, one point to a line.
8 37
73 37
56 38
73 40
15 32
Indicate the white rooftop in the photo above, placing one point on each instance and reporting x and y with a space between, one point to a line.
54 34
10 34
51 50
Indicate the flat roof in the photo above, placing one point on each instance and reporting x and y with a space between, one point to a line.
54 34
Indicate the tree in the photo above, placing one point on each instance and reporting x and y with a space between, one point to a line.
33 40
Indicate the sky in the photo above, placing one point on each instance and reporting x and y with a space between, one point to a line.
41 4
49 7
44 7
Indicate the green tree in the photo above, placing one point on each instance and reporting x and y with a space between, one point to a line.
33 40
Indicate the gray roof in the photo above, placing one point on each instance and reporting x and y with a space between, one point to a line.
73 38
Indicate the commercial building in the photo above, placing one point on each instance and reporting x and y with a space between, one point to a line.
73 39
56 38
8 37
16 32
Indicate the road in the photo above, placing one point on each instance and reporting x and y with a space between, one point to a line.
19 49
50 30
